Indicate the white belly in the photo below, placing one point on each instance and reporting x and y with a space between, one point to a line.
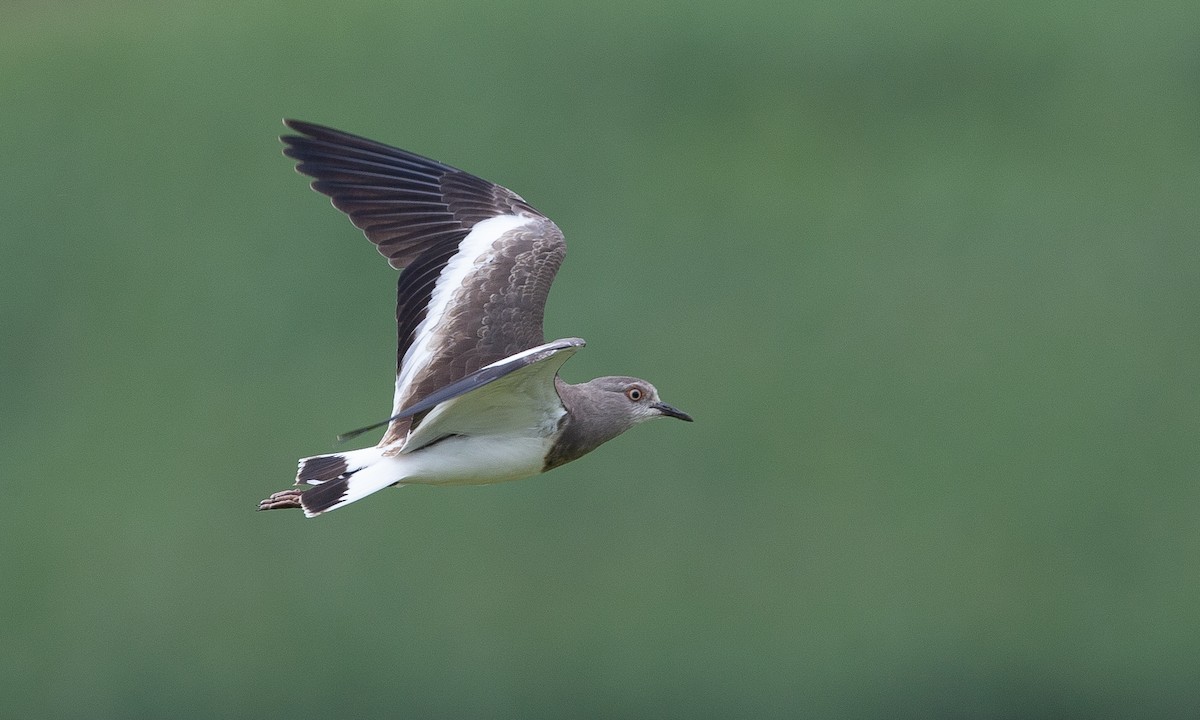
475 460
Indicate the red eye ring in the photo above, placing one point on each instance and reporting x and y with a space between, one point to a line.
634 393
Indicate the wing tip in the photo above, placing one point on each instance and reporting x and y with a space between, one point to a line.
305 127
310 131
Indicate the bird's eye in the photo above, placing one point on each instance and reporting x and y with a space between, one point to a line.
634 393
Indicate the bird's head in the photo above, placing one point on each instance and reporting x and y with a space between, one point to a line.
633 398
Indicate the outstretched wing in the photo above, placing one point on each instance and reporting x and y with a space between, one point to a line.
477 259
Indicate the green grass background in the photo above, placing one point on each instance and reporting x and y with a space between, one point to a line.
926 274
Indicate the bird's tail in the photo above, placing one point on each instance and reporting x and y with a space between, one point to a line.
321 469
326 482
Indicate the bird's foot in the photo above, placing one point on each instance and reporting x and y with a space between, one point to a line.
282 500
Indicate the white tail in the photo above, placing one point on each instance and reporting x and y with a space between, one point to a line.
342 478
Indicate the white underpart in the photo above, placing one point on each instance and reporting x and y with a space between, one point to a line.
474 252
453 461
500 431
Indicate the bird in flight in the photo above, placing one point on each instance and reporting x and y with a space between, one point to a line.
478 398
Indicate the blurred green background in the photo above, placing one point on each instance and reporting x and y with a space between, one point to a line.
925 273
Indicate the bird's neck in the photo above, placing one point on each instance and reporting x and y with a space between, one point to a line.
584 428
